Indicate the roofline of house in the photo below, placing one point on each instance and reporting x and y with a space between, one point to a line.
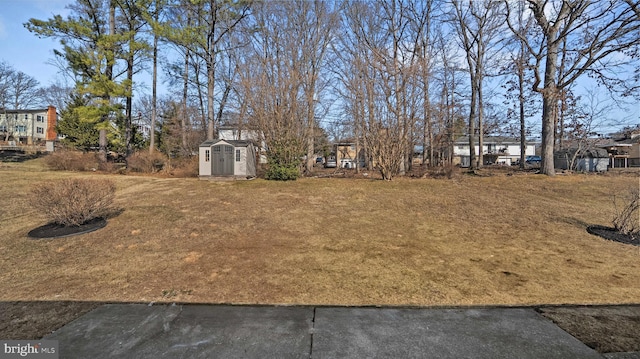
235 143
6 110
464 140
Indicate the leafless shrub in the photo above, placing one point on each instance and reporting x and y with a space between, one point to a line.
72 202
626 218
183 167
64 160
146 162
447 171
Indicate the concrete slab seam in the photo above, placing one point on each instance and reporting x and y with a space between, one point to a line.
311 332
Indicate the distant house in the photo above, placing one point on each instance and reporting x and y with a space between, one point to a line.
623 152
587 160
28 127
495 150
237 133
346 156
227 158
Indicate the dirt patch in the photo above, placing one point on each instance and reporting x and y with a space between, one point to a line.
33 320
607 329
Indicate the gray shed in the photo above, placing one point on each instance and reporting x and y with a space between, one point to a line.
590 160
227 158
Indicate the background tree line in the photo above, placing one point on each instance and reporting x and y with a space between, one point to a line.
388 75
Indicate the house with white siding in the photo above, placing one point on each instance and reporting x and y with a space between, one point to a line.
495 150
28 126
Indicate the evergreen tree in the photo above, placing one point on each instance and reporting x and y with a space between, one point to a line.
74 132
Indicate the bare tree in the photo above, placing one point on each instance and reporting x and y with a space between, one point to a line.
423 20
57 95
154 78
588 116
18 91
384 53
451 122
601 38
24 91
477 24
6 73
316 26
518 65
271 83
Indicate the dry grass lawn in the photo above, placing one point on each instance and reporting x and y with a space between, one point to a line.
500 240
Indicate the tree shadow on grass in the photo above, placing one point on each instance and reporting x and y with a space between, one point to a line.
18 156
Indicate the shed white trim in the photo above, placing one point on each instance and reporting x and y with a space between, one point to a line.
227 158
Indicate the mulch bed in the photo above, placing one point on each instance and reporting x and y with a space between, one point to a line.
53 230
613 235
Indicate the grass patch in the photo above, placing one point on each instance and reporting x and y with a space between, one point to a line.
508 240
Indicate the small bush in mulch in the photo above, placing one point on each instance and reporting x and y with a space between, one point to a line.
74 202
626 219
52 230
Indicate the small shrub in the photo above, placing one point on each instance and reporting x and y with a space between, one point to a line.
626 218
183 167
279 172
64 160
447 170
145 162
72 202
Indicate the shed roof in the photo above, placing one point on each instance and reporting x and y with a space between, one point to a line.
234 143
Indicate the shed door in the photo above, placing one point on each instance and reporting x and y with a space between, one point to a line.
222 160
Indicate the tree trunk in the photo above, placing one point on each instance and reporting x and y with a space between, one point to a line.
480 121
128 131
549 107
562 99
478 88
472 127
521 100
102 141
211 69
185 99
310 133
154 90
